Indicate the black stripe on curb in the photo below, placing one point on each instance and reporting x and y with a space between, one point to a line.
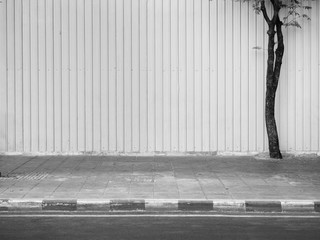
127 205
93 205
59 205
263 206
195 205
317 206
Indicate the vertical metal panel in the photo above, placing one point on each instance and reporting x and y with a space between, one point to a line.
65 75
143 94
244 72
120 74
213 75
198 81
260 74
237 71
151 76
151 91
205 76
96 74
105 76
159 74
315 76
57 56
112 40
127 76
18 76
233 15
88 94
190 74
174 75
182 77
166 75
135 87
27 77
11 77
252 85
3 78
42 81
221 77
73 60
81 129
49 76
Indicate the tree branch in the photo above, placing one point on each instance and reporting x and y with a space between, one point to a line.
264 11
276 8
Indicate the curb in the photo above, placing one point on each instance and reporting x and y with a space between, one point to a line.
159 205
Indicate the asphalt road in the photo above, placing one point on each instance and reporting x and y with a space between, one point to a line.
158 227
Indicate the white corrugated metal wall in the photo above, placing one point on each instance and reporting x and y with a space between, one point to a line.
150 76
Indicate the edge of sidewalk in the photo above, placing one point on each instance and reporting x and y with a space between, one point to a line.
160 205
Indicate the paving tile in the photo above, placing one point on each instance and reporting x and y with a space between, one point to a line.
141 195
213 189
166 195
163 181
91 191
37 195
115 196
239 189
165 189
245 196
210 181
255 181
13 194
211 195
117 190
94 186
41 191
141 189
64 195
216 191
192 196
89 195
118 184
174 194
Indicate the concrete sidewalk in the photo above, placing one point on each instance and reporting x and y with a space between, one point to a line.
177 182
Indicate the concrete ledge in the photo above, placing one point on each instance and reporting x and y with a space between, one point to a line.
127 205
229 206
159 205
317 206
195 205
4 204
263 206
298 206
59 205
93 205
25 205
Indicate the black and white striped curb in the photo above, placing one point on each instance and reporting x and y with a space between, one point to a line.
158 205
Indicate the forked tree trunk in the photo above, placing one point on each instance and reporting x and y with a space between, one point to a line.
273 74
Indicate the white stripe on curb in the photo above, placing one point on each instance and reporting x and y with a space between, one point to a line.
297 206
222 205
161 204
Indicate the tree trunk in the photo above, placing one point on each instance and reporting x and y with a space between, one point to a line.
273 73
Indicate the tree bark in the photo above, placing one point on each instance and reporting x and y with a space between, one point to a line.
273 74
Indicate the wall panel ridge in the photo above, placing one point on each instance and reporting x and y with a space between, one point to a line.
151 76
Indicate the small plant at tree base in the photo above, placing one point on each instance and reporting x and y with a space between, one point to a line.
295 12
